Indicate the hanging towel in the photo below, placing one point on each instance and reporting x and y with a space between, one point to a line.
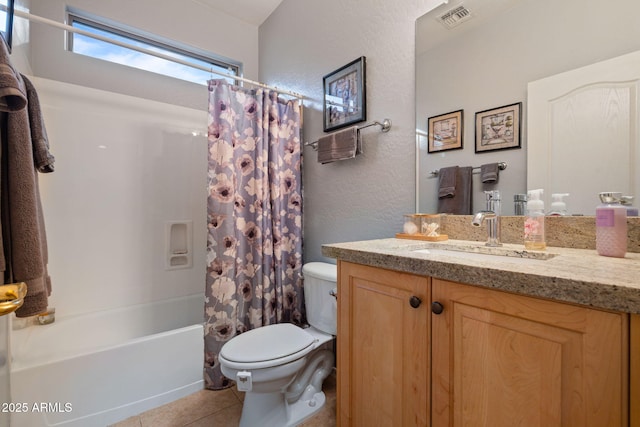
42 157
460 203
489 173
340 145
447 182
23 234
13 97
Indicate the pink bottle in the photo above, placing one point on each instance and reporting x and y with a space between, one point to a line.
611 226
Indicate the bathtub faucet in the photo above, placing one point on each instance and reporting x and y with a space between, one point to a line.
492 217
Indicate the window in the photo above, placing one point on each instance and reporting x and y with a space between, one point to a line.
95 48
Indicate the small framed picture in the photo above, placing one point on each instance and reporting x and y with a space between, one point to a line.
445 132
498 128
345 100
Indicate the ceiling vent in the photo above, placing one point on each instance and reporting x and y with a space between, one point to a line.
455 16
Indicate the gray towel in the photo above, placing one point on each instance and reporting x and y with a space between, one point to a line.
340 145
23 234
447 182
460 203
13 95
42 157
489 173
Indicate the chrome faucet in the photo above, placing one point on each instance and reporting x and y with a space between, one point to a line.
492 216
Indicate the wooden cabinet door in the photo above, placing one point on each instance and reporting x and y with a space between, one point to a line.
383 347
500 359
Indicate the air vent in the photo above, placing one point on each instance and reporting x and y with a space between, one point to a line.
455 16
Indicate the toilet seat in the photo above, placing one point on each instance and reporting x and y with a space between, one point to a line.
265 347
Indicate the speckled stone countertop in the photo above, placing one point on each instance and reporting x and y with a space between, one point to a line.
572 275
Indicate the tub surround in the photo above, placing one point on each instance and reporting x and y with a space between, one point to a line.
578 276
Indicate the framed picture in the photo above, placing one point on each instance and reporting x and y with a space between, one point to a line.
498 128
345 100
445 132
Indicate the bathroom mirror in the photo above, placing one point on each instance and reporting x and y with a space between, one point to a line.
477 55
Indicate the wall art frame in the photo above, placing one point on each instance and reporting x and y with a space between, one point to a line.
345 97
446 132
499 128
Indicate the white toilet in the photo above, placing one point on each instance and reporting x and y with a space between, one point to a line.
281 367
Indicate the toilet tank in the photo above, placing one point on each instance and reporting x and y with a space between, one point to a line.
320 279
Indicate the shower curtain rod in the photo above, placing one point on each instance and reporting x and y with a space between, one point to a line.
39 19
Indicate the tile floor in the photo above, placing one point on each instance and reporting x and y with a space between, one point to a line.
207 408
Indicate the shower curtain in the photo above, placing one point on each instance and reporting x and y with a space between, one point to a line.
254 244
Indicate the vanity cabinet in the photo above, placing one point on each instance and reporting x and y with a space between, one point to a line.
382 347
501 359
470 356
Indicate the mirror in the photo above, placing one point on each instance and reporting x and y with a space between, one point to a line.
484 58
6 21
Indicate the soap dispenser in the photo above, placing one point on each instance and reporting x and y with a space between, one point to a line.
534 222
611 226
558 205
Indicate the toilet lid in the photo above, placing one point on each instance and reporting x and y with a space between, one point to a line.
267 343
321 270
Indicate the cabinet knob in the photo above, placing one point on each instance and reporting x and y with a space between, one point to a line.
436 307
415 302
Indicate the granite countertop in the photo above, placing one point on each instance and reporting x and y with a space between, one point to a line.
570 275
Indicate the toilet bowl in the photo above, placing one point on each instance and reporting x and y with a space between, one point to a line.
281 367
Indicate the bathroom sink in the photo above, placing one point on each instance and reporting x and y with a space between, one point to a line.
486 253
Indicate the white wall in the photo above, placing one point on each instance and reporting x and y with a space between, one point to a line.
302 41
124 166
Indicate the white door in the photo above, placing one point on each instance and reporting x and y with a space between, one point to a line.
583 132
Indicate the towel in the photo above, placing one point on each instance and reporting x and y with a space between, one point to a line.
460 203
340 145
489 173
23 235
13 95
42 157
12 98
447 182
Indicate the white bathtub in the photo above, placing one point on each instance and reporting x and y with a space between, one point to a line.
103 367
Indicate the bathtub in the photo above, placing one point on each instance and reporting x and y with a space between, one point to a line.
100 368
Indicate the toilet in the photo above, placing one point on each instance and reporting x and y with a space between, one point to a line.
281 367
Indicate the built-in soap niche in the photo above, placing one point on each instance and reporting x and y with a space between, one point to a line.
178 245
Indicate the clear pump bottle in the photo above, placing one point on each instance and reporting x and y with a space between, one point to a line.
534 222
611 226
558 205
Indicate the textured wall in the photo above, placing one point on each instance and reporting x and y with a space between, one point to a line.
303 40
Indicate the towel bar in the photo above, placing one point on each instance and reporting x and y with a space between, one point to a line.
501 165
384 127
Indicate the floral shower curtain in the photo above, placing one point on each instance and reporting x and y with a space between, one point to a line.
254 244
